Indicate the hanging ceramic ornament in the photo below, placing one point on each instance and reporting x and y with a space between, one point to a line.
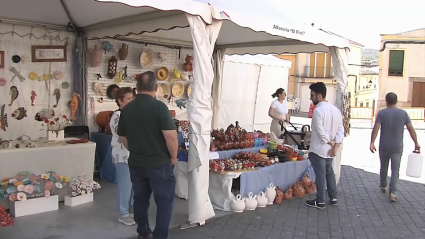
124 75
95 56
65 85
3 119
119 79
74 105
57 94
58 75
33 75
146 58
20 113
112 67
161 57
3 81
16 59
45 77
123 52
16 74
98 76
33 96
44 114
14 93
110 92
25 59
98 88
107 46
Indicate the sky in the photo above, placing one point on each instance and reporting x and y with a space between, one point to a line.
361 21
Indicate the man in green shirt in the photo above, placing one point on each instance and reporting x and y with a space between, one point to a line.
147 130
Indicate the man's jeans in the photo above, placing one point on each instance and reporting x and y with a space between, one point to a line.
325 177
162 182
395 168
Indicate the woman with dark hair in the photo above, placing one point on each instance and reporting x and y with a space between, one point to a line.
120 159
278 112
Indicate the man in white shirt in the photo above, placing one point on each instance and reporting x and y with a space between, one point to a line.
326 136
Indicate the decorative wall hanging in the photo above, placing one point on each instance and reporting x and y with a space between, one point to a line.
33 75
57 94
162 73
25 59
3 81
119 79
1 59
98 76
146 58
123 52
74 105
20 113
189 90
107 46
100 100
110 92
181 103
49 53
161 57
178 89
3 118
185 76
95 56
176 74
131 79
98 88
162 90
65 85
188 65
16 74
171 80
58 75
124 75
13 94
45 77
16 59
44 114
112 67
33 96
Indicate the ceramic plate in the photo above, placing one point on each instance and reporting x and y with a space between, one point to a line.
146 58
163 90
178 89
162 73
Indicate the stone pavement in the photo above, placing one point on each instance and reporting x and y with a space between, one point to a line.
362 212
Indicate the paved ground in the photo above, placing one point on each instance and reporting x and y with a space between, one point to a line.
363 211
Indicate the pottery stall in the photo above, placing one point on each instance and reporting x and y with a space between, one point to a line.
132 37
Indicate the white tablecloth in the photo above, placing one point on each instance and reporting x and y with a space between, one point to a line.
69 160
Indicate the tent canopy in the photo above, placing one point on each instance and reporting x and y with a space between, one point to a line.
250 27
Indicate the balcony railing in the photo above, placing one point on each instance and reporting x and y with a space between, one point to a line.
316 72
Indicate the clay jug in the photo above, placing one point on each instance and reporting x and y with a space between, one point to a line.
237 205
262 200
123 52
251 202
279 196
306 181
287 195
271 193
95 56
308 189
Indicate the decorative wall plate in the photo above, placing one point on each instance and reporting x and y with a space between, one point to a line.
58 75
110 92
146 58
65 85
16 59
163 89
162 73
33 75
178 89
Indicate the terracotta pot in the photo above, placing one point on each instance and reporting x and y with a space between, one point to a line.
279 196
298 190
287 195
306 181
123 52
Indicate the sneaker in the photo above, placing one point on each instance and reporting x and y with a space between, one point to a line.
393 197
131 215
313 203
333 202
127 221
383 190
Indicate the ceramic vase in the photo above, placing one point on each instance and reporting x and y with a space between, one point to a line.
271 193
262 200
123 52
95 56
237 205
251 202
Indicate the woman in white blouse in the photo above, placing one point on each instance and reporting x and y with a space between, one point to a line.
278 112
120 159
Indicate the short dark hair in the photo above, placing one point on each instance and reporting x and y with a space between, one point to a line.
391 98
121 92
146 81
319 88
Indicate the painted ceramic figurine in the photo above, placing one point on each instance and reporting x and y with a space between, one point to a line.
13 94
181 103
57 93
20 113
74 105
44 114
3 119
33 96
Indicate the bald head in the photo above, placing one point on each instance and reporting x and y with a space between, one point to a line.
391 99
146 82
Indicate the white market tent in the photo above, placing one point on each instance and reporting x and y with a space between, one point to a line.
214 28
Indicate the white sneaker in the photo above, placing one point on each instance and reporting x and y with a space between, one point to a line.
393 197
127 221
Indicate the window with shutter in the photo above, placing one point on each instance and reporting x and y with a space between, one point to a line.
396 63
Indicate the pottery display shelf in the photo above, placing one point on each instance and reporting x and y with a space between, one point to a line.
234 171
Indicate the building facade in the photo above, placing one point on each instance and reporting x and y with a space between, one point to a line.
402 68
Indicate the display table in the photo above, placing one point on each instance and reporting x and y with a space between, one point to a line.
281 174
104 156
69 160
